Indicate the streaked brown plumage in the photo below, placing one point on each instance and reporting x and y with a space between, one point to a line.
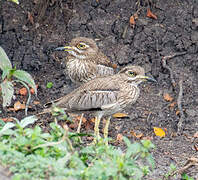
105 96
85 61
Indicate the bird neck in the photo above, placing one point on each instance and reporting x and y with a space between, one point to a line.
73 54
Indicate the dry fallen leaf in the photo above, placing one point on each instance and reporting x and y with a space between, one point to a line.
132 20
120 115
195 135
92 120
140 135
73 125
32 90
177 112
36 102
30 18
150 14
23 91
7 119
18 106
172 105
147 138
196 147
167 97
159 132
83 119
119 137
114 66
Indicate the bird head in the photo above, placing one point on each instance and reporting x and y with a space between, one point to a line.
80 48
135 75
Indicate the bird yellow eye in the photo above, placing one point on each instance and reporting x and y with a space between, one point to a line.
81 46
131 73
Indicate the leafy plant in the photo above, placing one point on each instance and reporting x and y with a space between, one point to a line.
8 72
15 1
49 85
186 177
171 170
33 154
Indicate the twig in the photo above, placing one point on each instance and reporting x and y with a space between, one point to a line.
79 126
190 162
51 143
64 138
179 99
125 31
164 64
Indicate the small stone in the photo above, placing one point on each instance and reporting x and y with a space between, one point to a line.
94 3
25 28
191 112
194 36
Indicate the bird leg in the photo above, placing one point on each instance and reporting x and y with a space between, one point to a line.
96 128
80 122
106 129
79 126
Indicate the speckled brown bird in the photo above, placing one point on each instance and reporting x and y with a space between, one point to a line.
85 61
104 96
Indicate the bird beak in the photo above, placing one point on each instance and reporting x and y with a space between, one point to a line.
146 78
65 48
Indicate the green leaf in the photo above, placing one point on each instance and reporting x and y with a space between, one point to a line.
79 135
28 120
5 74
26 77
4 60
2 123
186 177
7 92
147 144
151 160
7 126
49 85
15 1
132 150
127 142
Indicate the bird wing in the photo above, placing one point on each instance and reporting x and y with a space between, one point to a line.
97 94
97 99
104 70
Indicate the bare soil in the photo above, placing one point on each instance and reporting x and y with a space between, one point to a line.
29 31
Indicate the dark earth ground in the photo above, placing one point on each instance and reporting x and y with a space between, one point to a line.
28 44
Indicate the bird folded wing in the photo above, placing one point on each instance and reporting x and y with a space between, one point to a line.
95 99
104 70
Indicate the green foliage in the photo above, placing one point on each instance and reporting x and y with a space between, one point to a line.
49 85
15 1
7 92
32 154
8 72
186 177
171 170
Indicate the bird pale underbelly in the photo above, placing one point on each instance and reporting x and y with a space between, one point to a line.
81 72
